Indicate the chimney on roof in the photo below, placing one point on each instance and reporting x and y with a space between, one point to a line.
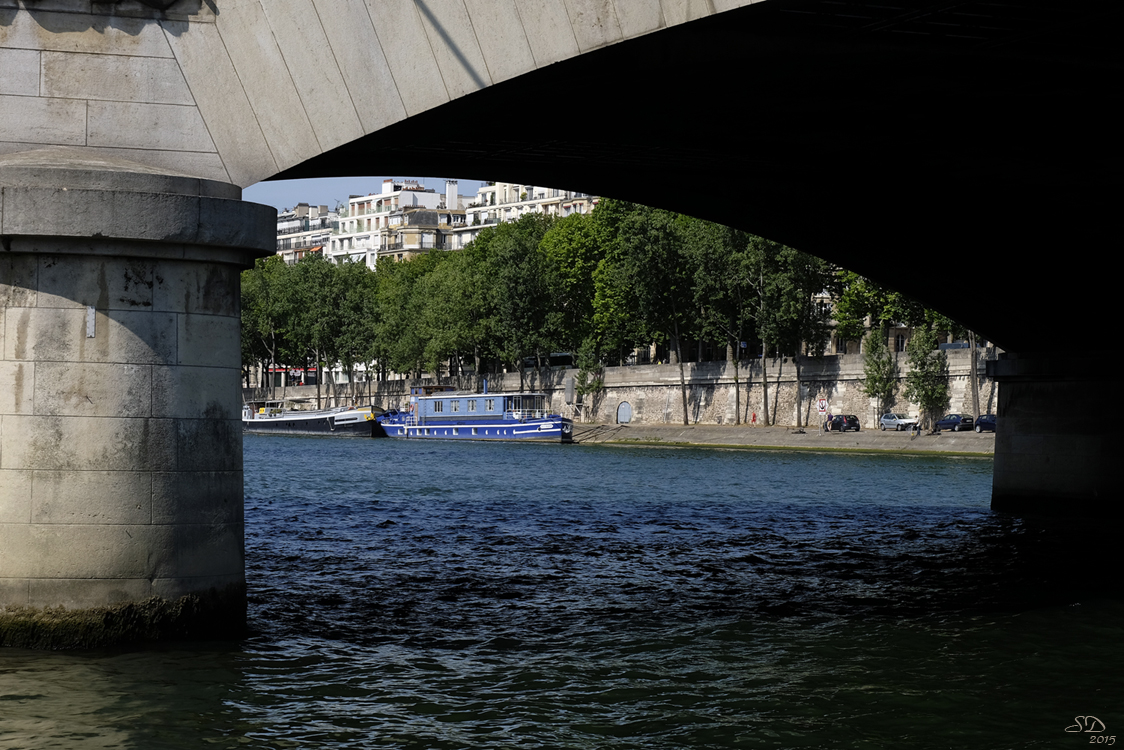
451 202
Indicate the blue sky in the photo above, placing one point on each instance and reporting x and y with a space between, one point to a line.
329 191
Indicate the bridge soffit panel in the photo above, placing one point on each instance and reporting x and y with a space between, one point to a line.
239 90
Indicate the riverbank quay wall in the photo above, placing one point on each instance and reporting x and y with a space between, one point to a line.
653 395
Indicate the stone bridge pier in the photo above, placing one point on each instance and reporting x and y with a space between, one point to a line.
1054 452
120 435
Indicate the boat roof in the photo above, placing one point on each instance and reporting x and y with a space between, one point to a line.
490 394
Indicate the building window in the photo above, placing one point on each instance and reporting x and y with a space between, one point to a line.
899 343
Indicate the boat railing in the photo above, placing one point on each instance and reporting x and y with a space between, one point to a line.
520 414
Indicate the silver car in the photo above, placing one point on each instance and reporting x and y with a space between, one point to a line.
893 421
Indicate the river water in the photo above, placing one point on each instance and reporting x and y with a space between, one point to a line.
470 595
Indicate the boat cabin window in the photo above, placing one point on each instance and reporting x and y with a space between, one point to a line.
489 404
438 406
456 405
472 404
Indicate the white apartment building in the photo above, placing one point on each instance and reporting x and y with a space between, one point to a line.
402 220
507 201
302 230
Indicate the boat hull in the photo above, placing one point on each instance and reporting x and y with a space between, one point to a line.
344 424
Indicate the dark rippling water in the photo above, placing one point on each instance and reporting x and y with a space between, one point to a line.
430 595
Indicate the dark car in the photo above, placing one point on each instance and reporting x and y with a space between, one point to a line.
842 423
985 423
955 422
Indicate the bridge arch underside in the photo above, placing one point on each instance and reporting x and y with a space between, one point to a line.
966 160
969 173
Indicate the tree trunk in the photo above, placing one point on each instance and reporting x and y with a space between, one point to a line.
764 388
777 390
799 403
682 377
319 377
973 374
737 388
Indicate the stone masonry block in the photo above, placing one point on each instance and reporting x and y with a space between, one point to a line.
362 64
60 335
80 593
83 32
165 127
548 31
208 444
15 496
104 283
641 16
197 497
502 38
114 78
595 23
453 42
26 119
21 72
408 54
209 166
280 114
91 389
91 497
225 222
204 550
95 213
313 67
83 444
19 279
14 592
174 588
208 339
185 287
680 11
218 92
184 392
100 551
15 550
17 384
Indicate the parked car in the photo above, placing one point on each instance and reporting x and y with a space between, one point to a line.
955 422
842 423
892 421
985 423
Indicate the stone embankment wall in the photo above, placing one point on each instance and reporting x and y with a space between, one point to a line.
653 392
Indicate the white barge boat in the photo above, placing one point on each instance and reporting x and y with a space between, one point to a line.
271 418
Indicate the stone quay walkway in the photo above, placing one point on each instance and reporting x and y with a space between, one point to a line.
785 438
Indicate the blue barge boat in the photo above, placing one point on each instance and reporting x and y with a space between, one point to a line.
446 415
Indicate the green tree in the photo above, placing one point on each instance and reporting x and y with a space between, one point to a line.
880 369
520 293
859 299
400 340
926 384
644 281
573 251
265 314
782 307
723 289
